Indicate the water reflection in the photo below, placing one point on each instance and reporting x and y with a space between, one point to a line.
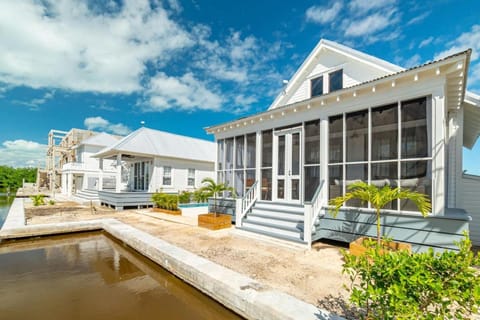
93 277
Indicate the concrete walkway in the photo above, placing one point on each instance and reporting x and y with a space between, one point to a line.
244 295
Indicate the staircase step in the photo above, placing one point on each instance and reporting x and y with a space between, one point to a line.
289 232
296 239
292 224
280 207
277 215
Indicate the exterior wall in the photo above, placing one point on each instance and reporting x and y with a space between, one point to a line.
470 186
354 72
179 174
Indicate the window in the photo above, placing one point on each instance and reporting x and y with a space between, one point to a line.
266 171
386 145
312 158
141 175
191 178
316 86
335 80
167 176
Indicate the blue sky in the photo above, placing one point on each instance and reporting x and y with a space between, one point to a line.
183 65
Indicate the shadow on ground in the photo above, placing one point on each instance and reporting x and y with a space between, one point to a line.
338 305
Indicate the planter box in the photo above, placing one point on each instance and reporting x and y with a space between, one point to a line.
212 222
357 248
172 212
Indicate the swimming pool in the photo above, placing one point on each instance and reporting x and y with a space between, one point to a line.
192 205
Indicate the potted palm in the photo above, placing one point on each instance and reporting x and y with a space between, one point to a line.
214 220
378 198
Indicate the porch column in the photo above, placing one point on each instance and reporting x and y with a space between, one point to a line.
69 184
258 164
118 180
324 159
100 177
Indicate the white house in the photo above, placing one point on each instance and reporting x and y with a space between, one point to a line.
81 177
346 116
148 161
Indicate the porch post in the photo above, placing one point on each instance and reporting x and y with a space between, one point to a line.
118 179
100 177
238 213
307 225
258 163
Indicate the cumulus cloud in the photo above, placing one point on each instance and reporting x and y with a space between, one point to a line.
362 6
425 42
67 44
22 153
323 14
99 123
370 24
467 40
185 92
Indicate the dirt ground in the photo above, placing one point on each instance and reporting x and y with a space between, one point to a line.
314 276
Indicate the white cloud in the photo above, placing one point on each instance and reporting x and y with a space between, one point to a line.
22 153
467 40
371 24
65 44
99 123
425 42
413 61
362 6
185 93
323 14
418 18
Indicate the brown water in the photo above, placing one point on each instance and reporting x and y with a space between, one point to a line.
91 276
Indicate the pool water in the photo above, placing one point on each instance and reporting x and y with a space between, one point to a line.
193 205
5 203
92 276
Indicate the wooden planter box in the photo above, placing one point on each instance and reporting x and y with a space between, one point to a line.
212 222
357 248
172 212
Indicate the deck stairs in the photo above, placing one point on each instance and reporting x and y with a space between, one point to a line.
276 219
87 195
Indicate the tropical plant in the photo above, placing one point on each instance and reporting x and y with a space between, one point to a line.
184 197
165 201
51 202
201 195
427 285
210 186
38 200
378 198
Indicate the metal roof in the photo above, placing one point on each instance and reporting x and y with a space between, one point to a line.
102 139
150 142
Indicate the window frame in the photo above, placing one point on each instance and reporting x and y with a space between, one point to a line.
165 176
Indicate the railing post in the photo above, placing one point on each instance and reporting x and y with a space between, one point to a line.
238 212
307 225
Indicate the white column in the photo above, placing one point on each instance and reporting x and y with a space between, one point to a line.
439 172
64 183
118 182
69 184
100 177
324 159
258 163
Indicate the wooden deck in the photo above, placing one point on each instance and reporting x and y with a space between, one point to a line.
125 200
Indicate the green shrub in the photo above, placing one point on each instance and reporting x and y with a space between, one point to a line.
38 200
165 201
51 202
184 197
402 285
201 195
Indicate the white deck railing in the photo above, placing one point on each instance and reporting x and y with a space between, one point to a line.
313 209
245 204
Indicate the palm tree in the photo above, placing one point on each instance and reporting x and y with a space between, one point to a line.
214 189
379 197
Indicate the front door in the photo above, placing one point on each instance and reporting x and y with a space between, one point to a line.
287 172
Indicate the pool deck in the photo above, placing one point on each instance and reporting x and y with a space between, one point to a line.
240 293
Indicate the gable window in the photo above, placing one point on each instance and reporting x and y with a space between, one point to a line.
191 178
317 86
335 80
167 176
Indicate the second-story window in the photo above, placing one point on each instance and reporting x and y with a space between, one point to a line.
335 80
317 86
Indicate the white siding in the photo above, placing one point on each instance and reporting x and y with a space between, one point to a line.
471 203
354 72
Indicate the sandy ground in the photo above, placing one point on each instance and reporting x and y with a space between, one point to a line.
311 275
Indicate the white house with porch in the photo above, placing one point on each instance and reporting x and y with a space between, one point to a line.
81 177
347 116
148 161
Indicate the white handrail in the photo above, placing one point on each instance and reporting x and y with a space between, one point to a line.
313 209
244 204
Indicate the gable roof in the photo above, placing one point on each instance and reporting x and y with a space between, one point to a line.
382 65
101 139
150 142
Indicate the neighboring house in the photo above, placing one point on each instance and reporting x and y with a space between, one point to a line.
148 161
81 177
347 116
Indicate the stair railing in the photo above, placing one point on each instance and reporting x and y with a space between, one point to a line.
244 204
313 209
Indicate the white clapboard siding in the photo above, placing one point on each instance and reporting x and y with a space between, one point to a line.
471 203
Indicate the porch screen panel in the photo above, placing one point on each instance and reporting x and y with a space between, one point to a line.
239 183
312 159
239 152
335 139
355 173
385 173
229 154
281 155
266 170
220 155
385 132
335 181
416 176
357 136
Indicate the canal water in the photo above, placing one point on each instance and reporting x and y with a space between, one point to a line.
5 202
92 276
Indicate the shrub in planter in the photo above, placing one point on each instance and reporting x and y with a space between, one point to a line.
165 201
38 200
184 197
401 285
